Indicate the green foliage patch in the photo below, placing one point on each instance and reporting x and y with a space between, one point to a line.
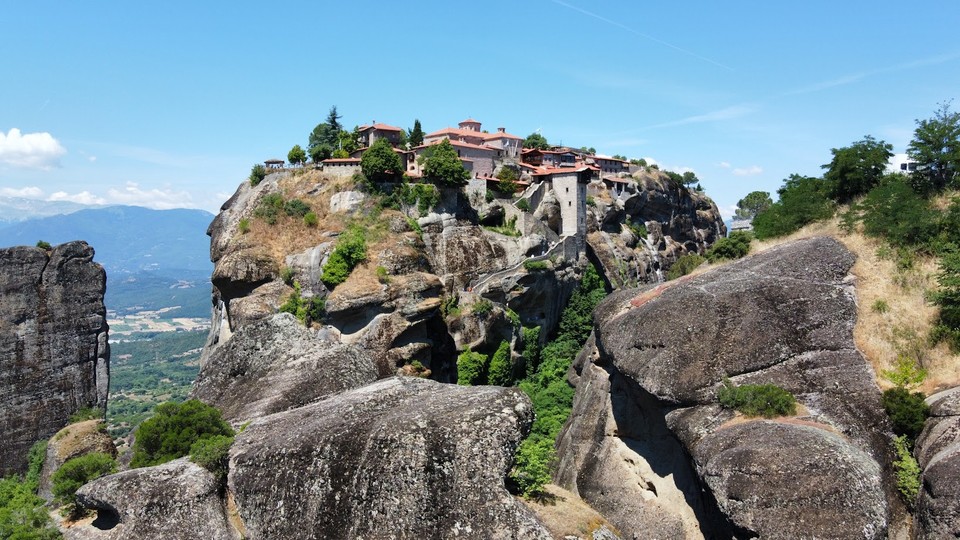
684 265
213 454
501 366
907 410
257 173
471 368
351 250
531 265
803 200
76 472
907 470
766 400
306 310
173 429
735 246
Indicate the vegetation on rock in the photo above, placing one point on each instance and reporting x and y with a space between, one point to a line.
735 246
23 515
173 429
471 368
501 366
351 250
78 471
213 454
380 163
906 469
306 310
443 167
766 400
257 173
684 265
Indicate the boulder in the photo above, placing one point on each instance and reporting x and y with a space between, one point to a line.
646 398
175 500
346 201
401 458
54 356
75 440
938 453
277 364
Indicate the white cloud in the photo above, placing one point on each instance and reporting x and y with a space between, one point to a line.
84 197
727 212
158 199
91 159
32 150
680 170
724 165
752 170
651 161
29 192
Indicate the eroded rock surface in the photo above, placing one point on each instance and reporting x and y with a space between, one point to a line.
938 452
277 364
401 458
54 357
175 500
646 402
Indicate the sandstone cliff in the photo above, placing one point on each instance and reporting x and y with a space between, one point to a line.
648 444
54 357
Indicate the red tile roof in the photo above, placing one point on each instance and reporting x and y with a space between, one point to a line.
380 127
460 144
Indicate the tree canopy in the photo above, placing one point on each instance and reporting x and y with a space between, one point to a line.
325 137
174 427
754 203
536 140
380 163
415 135
296 155
444 167
936 149
803 200
856 169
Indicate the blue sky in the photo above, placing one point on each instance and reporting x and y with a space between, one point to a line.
169 104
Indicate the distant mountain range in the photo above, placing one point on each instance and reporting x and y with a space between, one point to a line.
153 258
17 209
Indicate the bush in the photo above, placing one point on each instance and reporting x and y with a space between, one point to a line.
244 226
351 250
78 471
880 306
43 244
907 470
86 413
470 368
310 219
535 266
893 211
948 298
213 454
286 275
306 310
23 515
382 275
803 200
501 366
270 208
531 467
907 411
764 400
481 307
523 205
296 208
735 246
173 429
684 265
638 229
257 173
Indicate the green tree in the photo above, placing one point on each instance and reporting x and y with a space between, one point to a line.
296 155
501 366
947 298
415 135
856 169
735 246
444 167
320 152
689 178
380 163
936 149
333 120
257 173
76 472
173 429
754 203
470 368
325 134
536 140
684 265
803 200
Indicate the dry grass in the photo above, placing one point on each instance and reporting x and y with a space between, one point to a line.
900 329
565 514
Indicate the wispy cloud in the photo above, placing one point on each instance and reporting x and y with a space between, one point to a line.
861 75
84 197
159 199
752 170
30 150
641 34
724 165
29 192
727 113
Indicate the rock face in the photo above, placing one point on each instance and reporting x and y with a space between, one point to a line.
649 445
938 452
401 458
174 500
277 364
54 357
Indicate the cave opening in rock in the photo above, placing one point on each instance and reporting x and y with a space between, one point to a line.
107 518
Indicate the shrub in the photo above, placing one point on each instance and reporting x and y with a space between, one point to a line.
513 317
286 275
481 307
535 266
638 229
213 454
310 219
735 246
78 471
296 208
43 244
351 250
803 200
907 470
306 310
684 265
907 410
880 306
257 173
530 354
450 306
894 211
382 275
523 205
501 366
23 515
270 208
764 400
531 467
244 226
905 374
948 298
470 368
173 429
